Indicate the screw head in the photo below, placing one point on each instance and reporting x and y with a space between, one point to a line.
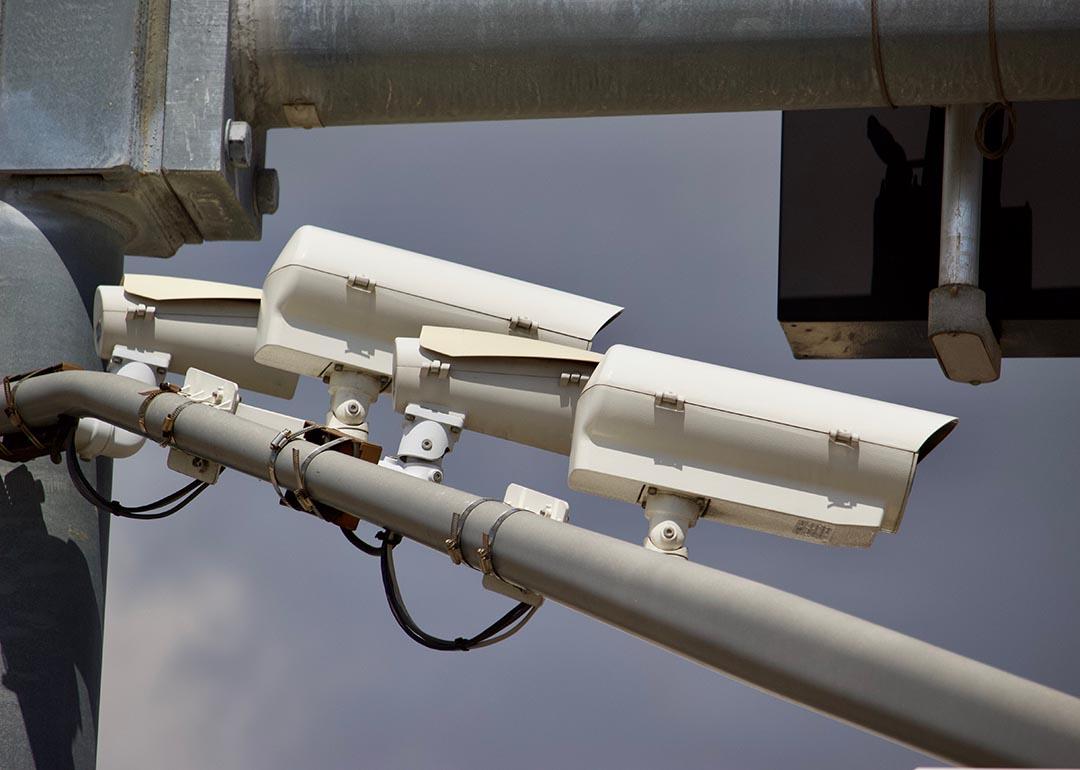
198 463
426 443
238 142
436 476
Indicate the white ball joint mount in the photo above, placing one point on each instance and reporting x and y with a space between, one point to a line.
670 516
351 395
427 435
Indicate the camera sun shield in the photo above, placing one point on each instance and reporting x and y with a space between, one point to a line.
767 454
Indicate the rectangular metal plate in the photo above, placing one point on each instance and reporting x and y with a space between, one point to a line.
859 219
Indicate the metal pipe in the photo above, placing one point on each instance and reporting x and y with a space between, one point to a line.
53 545
961 197
958 328
882 681
339 62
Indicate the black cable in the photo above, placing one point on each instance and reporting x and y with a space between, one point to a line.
363 545
520 613
86 489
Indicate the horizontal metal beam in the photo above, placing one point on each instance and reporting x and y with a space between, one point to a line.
339 62
882 681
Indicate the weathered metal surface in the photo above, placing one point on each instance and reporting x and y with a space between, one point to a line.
860 214
961 197
217 194
117 108
53 545
74 95
390 61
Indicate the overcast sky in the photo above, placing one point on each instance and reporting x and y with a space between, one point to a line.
240 634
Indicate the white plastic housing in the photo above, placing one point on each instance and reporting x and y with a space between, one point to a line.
203 324
97 438
767 454
514 388
335 299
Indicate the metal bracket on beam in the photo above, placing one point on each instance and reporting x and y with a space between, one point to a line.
123 112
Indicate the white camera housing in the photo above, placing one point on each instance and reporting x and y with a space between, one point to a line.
333 299
510 387
757 452
201 324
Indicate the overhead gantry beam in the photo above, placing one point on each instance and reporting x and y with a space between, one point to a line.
340 62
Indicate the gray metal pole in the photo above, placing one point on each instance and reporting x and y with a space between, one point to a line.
964 340
882 681
53 546
336 62
961 197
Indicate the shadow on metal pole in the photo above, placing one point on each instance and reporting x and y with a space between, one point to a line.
53 545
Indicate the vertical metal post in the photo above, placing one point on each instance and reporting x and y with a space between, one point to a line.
964 341
961 198
53 545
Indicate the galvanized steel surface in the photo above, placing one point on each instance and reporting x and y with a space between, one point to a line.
961 197
335 62
53 545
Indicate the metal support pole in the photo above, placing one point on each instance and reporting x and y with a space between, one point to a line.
964 341
310 63
961 197
53 546
882 681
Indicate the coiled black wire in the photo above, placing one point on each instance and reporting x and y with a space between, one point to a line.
83 486
501 629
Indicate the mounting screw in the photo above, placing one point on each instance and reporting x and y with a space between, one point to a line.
198 463
436 476
238 142
426 443
266 190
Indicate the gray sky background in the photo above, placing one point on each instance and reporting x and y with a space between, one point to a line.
240 634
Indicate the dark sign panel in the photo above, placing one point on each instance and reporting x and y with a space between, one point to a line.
859 218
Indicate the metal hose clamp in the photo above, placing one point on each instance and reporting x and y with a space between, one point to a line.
303 497
165 387
486 551
279 442
457 526
169 422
